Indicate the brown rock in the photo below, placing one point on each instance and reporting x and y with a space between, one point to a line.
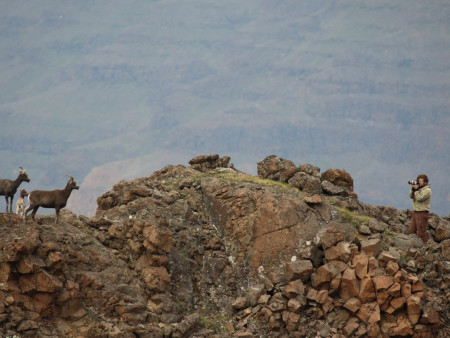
391 268
329 237
442 231
353 305
361 263
371 247
397 302
326 273
5 271
395 290
158 239
240 303
350 328
367 291
369 313
321 296
413 309
156 278
299 269
294 288
312 199
338 177
276 168
429 315
340 252
402 329
306 183
382 283
29 264
406 290
349 285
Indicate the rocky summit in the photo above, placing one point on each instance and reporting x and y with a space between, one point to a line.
205 250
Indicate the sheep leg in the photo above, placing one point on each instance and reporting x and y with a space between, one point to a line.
6 199
57 215
11 204
34 212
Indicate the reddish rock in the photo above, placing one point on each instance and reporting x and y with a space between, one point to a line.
395 290
340 252
361 263
353 305
338 177
327 272
367 291
403 329
156 278
299 269
371 247
413 309
294 288
157 239
5 271
349 285
382 283
391 268
276 168
406 290
312 199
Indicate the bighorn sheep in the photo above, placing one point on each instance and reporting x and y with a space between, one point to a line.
20 205
9 187
50 199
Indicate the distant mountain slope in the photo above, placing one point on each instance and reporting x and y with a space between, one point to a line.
130 87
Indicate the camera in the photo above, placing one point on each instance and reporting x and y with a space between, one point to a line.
412 182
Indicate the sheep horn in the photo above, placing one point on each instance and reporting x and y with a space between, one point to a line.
70 177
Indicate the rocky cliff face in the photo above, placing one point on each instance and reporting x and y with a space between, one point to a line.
205 250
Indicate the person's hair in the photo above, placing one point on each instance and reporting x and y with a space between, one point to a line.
425 178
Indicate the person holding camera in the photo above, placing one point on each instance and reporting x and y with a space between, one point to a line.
421 195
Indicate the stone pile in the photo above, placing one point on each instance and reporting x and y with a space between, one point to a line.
204 163
360 290
306 177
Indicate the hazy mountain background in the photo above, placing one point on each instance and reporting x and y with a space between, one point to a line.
112 90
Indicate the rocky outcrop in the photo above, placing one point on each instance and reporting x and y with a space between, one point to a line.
210 251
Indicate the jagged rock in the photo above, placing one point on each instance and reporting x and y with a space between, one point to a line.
306 183
208 162
309 169
276 168
331 189
312 199
338 177
300 269
442 231
182 243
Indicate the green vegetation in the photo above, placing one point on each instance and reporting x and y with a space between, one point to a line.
274 186
352 218
215 321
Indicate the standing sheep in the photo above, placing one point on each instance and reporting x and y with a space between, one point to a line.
20 205
8 187
50 199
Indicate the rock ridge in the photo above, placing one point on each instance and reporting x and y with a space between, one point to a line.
208 251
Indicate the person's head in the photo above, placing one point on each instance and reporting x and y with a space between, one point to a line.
422 179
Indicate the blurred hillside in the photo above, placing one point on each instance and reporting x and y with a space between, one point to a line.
111 90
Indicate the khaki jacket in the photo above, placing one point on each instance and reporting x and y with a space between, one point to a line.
421 198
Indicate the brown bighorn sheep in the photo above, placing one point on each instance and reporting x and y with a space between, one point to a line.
9 187
20 205
50 199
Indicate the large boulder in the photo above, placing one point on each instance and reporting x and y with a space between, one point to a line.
276 168
338 177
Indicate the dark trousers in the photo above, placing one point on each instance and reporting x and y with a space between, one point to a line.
418 225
